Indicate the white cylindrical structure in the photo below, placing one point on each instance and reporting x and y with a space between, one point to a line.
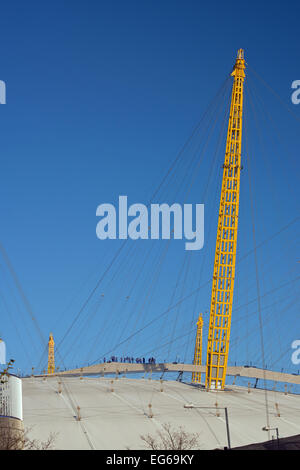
11 397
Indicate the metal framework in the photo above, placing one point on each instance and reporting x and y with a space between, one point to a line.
51 362
226 243
196 376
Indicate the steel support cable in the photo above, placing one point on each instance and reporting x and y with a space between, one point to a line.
166 344
279 330
190 187
150 283
251 314
236 300
252 98
268 239
181 270
289 284
98 305
212 171
252 105
263 272
258 98
8 310
215 117
269 342
194 132
76 410
184 257
153 320
214 123
270 355
147 254
269 318
268 262
273 236
172 341
156 349
173 172
146 289
257 279
57 347
149 286
247 303
92 293
166 340
182 300
129 295
154 195
115 257
20 313
278 130
172 296
144 294
210 227
22 294
174 322
268 117
245 240
154 282
149 338
271 291
147 343
145 284
212 167
195 173
209 115
288 350
79 289
116 298
95 309
274 93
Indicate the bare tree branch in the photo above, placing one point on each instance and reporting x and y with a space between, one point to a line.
171 439
17 439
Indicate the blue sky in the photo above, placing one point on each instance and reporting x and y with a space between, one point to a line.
101 96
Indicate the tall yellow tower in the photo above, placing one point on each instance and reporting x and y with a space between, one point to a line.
196 376
51 362
225 254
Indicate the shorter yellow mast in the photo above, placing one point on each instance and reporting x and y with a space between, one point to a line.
196 376
51 362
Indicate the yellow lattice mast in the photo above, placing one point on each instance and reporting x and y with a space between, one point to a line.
51 363
225 254
196 376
